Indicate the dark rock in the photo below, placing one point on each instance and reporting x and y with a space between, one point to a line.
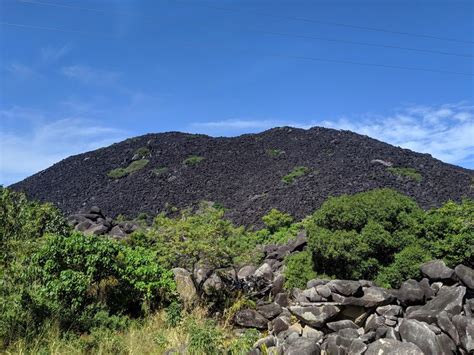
446 344
341 324
316 282
280 324
266 342
465 329
95 210
117 232
303 346
389 311
315 316
264 272
357 347
374 322
392 347
373 297
246 272
250 318
466 275
269 311
282 299
421 335
444 322
448 299
323 291
425 286
212 285
436 270
312 333
278 285
391 333
345 287
410 293
84 225
96 229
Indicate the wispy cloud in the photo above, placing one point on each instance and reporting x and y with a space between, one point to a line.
27 152
89 75
20 71
444 131
50 54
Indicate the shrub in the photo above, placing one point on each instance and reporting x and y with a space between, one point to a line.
354 236
204 337
409 173
298 269
160 171
244 343
133 167
141 153
275 220
295 174
274 153
193 160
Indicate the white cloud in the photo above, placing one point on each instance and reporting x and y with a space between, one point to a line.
24 153
20 71
446 132
88 75
51 54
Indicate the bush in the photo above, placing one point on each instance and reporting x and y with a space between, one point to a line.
409 173
193 160
275 220
295 174
274 153
355 236
204 337
141 153
133 167
160 171
298 269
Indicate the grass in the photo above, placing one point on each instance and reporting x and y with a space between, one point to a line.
410 173
152 335
193 160
275 153
133 167
296 173
160 171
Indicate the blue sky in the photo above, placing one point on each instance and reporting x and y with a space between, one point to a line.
77 75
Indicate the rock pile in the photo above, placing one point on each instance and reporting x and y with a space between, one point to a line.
431 316
95 223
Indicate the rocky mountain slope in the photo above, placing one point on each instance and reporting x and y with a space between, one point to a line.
293 170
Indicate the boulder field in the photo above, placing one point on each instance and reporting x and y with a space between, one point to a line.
293 170
431 316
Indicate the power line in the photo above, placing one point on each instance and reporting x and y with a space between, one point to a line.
335 40
57 29
338 24
280 55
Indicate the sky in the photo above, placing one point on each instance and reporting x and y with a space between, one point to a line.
78 75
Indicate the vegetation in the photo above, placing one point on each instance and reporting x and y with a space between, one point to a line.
141 153
193 160
275 153
160 171
64 292
133 167
409 173
295 174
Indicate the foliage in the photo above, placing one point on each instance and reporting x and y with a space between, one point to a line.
355 236
296 173
275 220
244 343
275 153
193 160
133 167
409 173
298 269
141 153
160 171
204 337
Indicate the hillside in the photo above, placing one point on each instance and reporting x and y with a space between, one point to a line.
248 175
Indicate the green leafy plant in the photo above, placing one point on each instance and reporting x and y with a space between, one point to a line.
296 173
409 173
275 153
160 171
205 337
132 168
299 269
141 153
275 220
193 160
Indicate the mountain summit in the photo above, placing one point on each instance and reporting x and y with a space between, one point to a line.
293 170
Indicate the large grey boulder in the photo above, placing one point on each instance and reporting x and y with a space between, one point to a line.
449 299
420 334
250 318
246 272
392 347
410 293
270 310
315 316
264 272
436 270
345 287
466 275
390 310
373 297
185 287
302 346
446 325
341 324
465 328
212 285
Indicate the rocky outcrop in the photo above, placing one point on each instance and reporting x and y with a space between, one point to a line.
431 316
244 174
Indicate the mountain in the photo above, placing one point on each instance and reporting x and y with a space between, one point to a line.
293 170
